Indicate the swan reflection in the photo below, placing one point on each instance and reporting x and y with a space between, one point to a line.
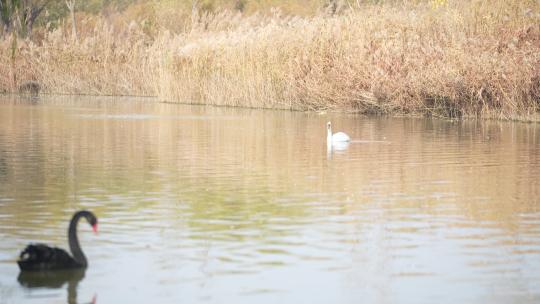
336 147
54 280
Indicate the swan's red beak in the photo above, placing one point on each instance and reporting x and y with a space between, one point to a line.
94 227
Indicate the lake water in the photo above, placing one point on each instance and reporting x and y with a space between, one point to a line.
219 205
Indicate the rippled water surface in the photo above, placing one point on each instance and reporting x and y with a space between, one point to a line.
221 205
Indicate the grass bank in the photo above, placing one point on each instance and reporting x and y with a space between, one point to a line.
443 58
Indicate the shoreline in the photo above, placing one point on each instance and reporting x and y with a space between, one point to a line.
154 99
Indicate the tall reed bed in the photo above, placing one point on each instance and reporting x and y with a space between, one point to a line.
468 58
443 58
102 62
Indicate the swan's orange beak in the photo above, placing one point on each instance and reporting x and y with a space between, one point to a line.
94 227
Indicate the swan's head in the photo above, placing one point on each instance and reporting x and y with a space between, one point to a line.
93 222
329 126
94 226
91 218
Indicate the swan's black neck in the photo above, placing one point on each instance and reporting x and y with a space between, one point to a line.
74 246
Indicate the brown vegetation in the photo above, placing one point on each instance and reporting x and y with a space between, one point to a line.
444 58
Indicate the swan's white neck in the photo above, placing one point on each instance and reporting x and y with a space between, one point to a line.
329 134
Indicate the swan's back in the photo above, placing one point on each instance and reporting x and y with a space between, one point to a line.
340 137
38 257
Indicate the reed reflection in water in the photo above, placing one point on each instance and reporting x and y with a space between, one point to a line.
216 205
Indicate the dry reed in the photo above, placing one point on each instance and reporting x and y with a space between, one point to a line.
456 58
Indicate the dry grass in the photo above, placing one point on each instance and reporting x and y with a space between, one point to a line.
99 64
455 58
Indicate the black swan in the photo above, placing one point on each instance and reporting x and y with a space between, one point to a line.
40 257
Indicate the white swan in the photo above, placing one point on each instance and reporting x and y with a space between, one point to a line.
336 138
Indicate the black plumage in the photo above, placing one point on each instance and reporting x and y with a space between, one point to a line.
37 257
40 257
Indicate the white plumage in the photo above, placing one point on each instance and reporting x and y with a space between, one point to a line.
338 137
